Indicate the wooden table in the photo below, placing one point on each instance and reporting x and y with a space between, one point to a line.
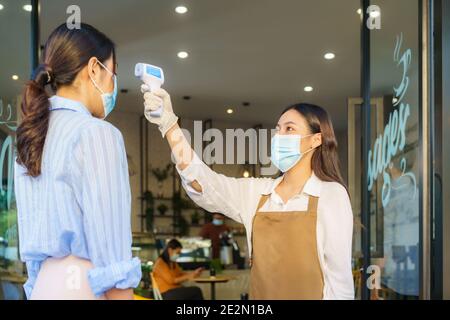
213 281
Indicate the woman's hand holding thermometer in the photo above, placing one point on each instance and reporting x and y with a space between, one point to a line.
158 106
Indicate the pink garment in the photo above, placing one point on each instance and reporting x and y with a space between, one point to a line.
64 279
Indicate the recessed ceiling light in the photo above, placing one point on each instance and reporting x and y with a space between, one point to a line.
28 7
183 54
359 11
308 89
1 6
230 111
329 56
15 77
181 9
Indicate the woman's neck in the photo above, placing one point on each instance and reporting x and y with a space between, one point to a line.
294 180
73 94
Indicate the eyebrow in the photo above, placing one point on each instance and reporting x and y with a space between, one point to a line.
286 123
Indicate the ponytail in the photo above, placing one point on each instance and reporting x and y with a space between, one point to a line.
32 132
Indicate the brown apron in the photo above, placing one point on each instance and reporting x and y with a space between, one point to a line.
285 262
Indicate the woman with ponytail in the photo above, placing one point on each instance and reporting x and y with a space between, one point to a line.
299 226
71 174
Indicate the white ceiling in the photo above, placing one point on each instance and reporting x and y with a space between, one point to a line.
260 51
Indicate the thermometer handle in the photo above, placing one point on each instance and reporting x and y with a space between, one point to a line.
158 112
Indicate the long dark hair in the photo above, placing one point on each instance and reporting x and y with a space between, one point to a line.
65 54
172 244
325 160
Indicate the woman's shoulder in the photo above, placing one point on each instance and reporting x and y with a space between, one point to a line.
91 129
333 188
101 126
160 265
334 198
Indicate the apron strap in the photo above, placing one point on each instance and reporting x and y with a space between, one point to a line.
262 201
312 204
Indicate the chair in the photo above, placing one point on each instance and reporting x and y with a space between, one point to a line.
156 293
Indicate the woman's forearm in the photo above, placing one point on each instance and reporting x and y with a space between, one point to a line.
183 278
180 147
119 294
182 151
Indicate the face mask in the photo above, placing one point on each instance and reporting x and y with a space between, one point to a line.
217 222
174 257
286 151
108 99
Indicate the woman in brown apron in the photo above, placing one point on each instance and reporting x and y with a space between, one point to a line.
299 225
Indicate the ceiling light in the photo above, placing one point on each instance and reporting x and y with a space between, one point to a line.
181 9
230 111
15 77
28 7
329 56
246 174
1 6
183 54
359 11
308 89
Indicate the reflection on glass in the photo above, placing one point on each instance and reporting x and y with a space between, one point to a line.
401 238
14 69
393 166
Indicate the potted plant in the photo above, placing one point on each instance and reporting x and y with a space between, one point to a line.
149 200
179 203
195 218
161 175
183 226
149 215
162 209
148 197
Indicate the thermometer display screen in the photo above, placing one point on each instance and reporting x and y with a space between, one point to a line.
154 71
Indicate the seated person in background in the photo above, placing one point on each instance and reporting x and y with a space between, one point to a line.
169 276
212 231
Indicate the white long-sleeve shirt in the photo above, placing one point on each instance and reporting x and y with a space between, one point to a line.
238 198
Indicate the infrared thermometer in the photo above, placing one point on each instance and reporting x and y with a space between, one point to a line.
153 77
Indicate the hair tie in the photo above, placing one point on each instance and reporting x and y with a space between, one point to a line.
49 77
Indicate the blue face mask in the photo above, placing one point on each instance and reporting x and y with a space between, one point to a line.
217 222
108 99
286 151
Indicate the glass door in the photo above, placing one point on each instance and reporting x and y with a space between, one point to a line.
394 165
14 72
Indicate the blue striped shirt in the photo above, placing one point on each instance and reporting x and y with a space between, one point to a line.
80 205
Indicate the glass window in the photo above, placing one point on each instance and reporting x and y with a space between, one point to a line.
14 71
393 169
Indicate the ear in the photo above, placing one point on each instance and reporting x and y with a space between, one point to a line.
317 140
93 68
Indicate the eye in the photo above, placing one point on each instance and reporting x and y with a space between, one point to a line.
289 129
